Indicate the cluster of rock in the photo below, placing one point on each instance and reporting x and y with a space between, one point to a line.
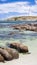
12 51
31 27
7 54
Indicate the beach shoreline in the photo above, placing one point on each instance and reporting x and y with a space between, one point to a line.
24 59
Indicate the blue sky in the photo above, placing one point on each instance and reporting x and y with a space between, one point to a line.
12 8
6 1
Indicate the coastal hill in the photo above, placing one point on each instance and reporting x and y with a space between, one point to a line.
22 18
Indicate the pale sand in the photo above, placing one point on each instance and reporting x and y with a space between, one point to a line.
24 59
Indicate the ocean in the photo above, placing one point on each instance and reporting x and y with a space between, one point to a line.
28 38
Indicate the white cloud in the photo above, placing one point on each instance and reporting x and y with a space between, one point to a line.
33 10
14 7
36 1
20 7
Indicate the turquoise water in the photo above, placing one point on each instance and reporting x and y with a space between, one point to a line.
28 38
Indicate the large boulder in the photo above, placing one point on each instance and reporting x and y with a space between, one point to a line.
14 53
5 54
19 47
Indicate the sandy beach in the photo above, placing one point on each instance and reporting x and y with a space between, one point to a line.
26 59
28 38
30 59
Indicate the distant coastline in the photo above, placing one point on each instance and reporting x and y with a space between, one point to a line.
22 18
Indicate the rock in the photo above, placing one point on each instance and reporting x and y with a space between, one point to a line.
5 54
23 49
1 58
19 47
31 27
34 25
13 53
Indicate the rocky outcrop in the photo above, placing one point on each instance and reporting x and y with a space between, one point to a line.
30 27
8 54
12 51
19 47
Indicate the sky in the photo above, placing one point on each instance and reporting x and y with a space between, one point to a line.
12 8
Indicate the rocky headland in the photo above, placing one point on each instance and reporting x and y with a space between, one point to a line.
22 18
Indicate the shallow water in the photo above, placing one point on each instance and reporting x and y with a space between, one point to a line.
28 38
